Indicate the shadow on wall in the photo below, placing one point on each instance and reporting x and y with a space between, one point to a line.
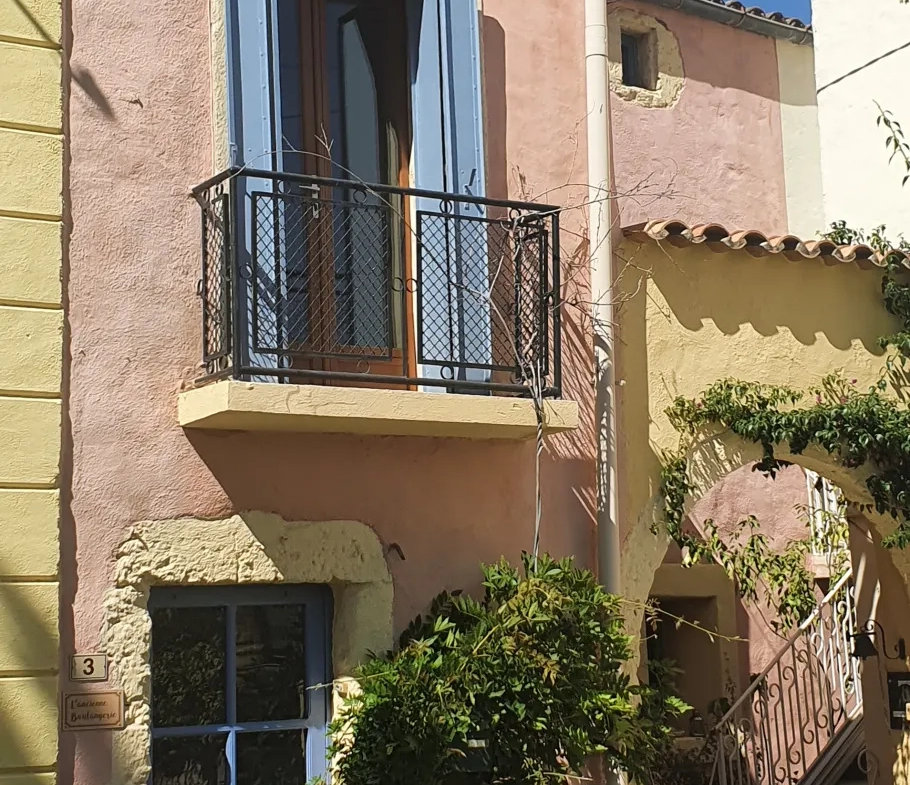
495 109
439 506
81 76
805 301
30 647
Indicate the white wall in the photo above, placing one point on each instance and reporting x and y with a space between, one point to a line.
859 185
800 136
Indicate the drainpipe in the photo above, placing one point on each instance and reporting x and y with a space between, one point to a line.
601 251
600 214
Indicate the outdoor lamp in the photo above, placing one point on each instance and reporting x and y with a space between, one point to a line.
864 643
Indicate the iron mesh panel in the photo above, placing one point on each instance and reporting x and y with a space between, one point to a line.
484 293
215 286
321 277
307 278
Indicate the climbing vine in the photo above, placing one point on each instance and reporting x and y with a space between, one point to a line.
858 427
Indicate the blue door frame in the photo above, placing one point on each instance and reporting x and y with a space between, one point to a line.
447 124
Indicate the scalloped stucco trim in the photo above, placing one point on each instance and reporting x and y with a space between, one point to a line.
243 549
665 50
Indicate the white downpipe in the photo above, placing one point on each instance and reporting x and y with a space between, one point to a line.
600 215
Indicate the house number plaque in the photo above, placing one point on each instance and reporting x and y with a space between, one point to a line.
88 667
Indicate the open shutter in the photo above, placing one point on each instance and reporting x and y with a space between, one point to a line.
258 31
449 156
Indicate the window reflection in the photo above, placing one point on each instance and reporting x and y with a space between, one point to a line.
276 758
271 666
188 666
193 760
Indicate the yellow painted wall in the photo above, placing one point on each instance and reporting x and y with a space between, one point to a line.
700 316
31 351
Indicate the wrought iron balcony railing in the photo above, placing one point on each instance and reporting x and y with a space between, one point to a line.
309 280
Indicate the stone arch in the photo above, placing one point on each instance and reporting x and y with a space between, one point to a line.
246 548
711 459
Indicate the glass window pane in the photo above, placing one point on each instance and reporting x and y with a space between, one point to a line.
271 758
271 672
188 670
190 760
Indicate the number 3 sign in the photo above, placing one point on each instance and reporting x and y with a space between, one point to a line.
88 667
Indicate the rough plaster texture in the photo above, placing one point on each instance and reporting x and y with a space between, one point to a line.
22 243
800 138
29 427
244 406
448 504
32 181
28 618
30 362
35 22
665 59
716 154
861 58
775 504
30 87
220 136
31 350
249 548
702 317
28 735
29 520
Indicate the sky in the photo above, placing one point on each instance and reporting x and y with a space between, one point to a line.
798 8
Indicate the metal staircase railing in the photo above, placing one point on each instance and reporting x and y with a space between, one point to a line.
803 704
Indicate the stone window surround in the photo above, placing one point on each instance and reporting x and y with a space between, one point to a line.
248 548
666 64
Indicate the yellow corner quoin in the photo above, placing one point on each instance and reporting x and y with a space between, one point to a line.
245 406
31 362
31 257
37 22
30 94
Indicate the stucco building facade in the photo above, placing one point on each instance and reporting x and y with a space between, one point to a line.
159 166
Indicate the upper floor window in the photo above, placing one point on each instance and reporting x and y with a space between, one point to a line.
343 89
646 66
635 59
239 677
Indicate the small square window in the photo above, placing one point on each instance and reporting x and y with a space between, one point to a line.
636 60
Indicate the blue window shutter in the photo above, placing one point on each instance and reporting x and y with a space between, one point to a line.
254 106
449 156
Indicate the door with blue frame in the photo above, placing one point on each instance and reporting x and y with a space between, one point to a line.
359 90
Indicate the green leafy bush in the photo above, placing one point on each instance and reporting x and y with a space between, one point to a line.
533 671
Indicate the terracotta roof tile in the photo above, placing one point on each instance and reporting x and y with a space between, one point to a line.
753 18
774 16
718 238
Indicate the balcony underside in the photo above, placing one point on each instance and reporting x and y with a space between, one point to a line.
245 406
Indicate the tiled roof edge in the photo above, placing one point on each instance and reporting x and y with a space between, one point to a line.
753 19
719 238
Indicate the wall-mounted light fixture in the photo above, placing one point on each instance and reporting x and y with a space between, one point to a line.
864 643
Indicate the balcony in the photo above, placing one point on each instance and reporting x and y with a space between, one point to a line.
339 306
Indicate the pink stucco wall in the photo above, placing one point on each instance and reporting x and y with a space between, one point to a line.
717 153
775 504
139 137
